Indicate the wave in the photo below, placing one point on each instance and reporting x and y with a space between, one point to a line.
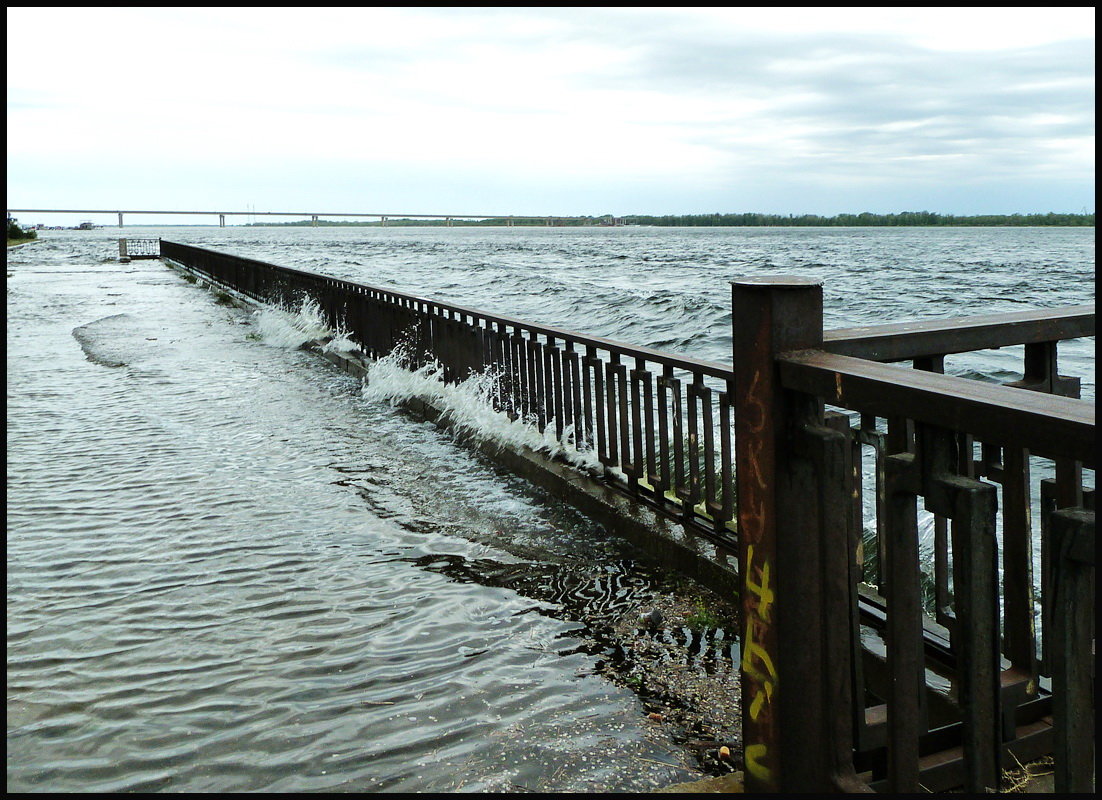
291 328
467 406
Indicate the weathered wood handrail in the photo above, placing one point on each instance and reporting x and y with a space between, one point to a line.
903 341
802 667
1048 425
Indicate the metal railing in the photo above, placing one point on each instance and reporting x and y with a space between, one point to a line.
660 425
965 681
130 249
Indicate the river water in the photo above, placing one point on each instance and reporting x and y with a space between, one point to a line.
229 570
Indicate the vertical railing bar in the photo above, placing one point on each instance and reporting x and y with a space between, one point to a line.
539 388
1072 648
551 413
679 487
520 348
501 363
707 422
843 706
861 728
519 390
567 402
726 446
524 349
904 632
576 397
599 411
590 367
1048 503
649 430
635 378
624 420
610 406
693 498
976 639
1018 601
561 392
665 483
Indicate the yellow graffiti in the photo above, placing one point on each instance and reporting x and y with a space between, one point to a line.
759 699
759 596
753 755
753 655
762 590
750 649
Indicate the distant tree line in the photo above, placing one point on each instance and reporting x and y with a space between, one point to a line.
438 223
902 219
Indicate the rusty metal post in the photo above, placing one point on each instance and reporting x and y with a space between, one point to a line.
785 725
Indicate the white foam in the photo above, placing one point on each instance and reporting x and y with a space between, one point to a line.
283 327
341 343
467 406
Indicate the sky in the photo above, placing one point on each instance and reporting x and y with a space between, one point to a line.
545 111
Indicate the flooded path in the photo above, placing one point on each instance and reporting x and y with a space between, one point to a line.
228 571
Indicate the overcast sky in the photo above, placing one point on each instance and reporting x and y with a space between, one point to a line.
552 111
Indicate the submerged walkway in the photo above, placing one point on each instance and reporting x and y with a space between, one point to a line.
228 572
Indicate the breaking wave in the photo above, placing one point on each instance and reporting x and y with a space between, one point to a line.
281 326
468 407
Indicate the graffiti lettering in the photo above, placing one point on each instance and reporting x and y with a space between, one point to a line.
762 590
753 755
756 660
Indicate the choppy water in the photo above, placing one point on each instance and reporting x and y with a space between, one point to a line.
230 571
669 288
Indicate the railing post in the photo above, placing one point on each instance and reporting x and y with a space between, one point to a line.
1072 567
787 725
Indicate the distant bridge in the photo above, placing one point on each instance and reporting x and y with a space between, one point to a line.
509 218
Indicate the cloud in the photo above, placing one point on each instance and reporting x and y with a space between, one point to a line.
606 100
